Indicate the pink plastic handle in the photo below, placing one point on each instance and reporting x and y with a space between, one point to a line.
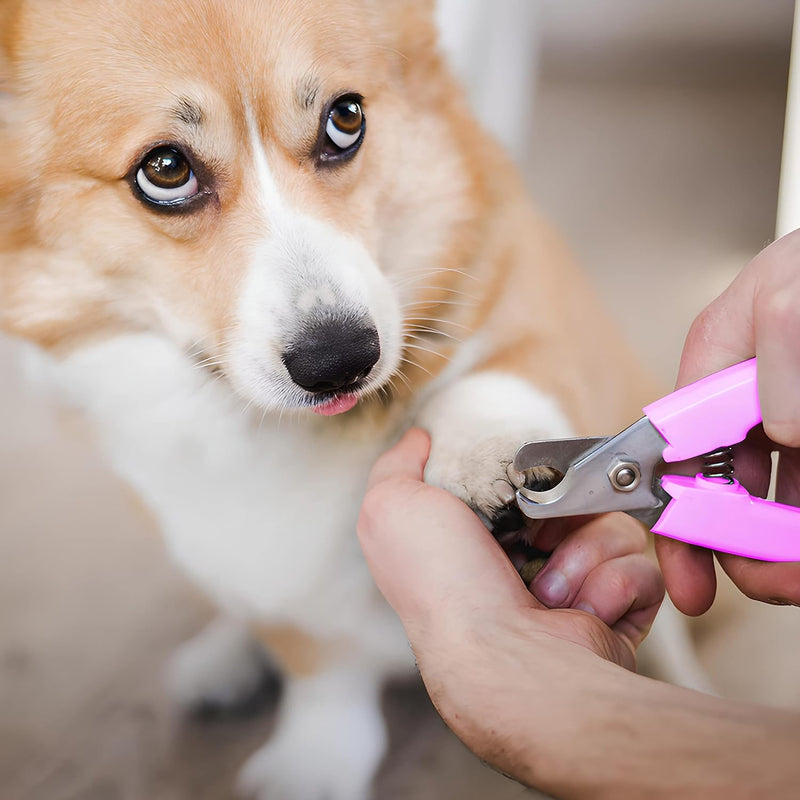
718 516
715 412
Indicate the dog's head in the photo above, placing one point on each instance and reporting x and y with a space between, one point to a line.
271 184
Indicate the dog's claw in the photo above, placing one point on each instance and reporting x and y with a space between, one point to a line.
507 520
505 492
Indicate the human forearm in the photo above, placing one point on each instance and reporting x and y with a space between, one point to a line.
602 732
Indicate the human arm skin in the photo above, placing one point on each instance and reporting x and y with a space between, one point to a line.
758 315
546 695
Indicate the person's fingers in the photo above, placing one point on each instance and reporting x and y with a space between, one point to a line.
429 554
753 463
625 593
688 574
607 537
722 334
776 320
787 487
553 531
758 314
406 459
768 582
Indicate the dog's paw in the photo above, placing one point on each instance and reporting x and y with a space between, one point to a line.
327 745
277 772
222 672
483 476
476 427
311 764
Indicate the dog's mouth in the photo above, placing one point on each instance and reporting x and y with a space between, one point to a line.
325 404
338 403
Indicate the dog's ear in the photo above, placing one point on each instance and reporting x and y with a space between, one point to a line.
410 23
414 35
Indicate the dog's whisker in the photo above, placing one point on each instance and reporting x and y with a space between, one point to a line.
209 362
211 380
438 271
246 407
400 374
438 320
387 390
197 345
412 363
456 292
414 331
450 289
434 303
426 350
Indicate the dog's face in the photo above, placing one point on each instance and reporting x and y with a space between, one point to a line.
264 182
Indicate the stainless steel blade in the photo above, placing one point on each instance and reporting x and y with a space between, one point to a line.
588 486
559 454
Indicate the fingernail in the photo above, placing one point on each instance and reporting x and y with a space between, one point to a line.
587 607
551 587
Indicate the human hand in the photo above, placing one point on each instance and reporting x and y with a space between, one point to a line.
759 314
490 653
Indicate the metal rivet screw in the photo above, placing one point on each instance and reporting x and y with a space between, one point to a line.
625 477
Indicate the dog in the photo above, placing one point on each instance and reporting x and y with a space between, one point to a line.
258 240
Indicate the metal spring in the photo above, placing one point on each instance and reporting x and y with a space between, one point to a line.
719 464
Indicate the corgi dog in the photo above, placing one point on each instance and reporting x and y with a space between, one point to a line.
258 239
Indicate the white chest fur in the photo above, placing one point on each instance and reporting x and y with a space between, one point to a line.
260 513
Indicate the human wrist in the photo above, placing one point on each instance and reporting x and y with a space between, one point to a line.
525 690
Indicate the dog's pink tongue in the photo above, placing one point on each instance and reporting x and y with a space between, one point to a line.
337 406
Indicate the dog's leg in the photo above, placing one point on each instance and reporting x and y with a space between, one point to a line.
222 670
476 426
329 741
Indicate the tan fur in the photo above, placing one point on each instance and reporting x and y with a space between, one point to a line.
80 258
299 654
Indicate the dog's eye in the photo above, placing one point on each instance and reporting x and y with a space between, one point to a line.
165 177
345 122
344 129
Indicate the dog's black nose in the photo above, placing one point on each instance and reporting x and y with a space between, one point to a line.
332 356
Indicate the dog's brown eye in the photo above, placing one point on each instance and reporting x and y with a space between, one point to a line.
344 123
164 176
344 128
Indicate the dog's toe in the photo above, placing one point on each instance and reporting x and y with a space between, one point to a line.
506 520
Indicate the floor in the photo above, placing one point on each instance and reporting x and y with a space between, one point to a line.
664 179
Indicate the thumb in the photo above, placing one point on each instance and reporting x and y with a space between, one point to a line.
406 459
429 554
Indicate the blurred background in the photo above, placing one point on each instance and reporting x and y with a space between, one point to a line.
650 134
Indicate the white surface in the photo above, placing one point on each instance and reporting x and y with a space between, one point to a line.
789 202
493 48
